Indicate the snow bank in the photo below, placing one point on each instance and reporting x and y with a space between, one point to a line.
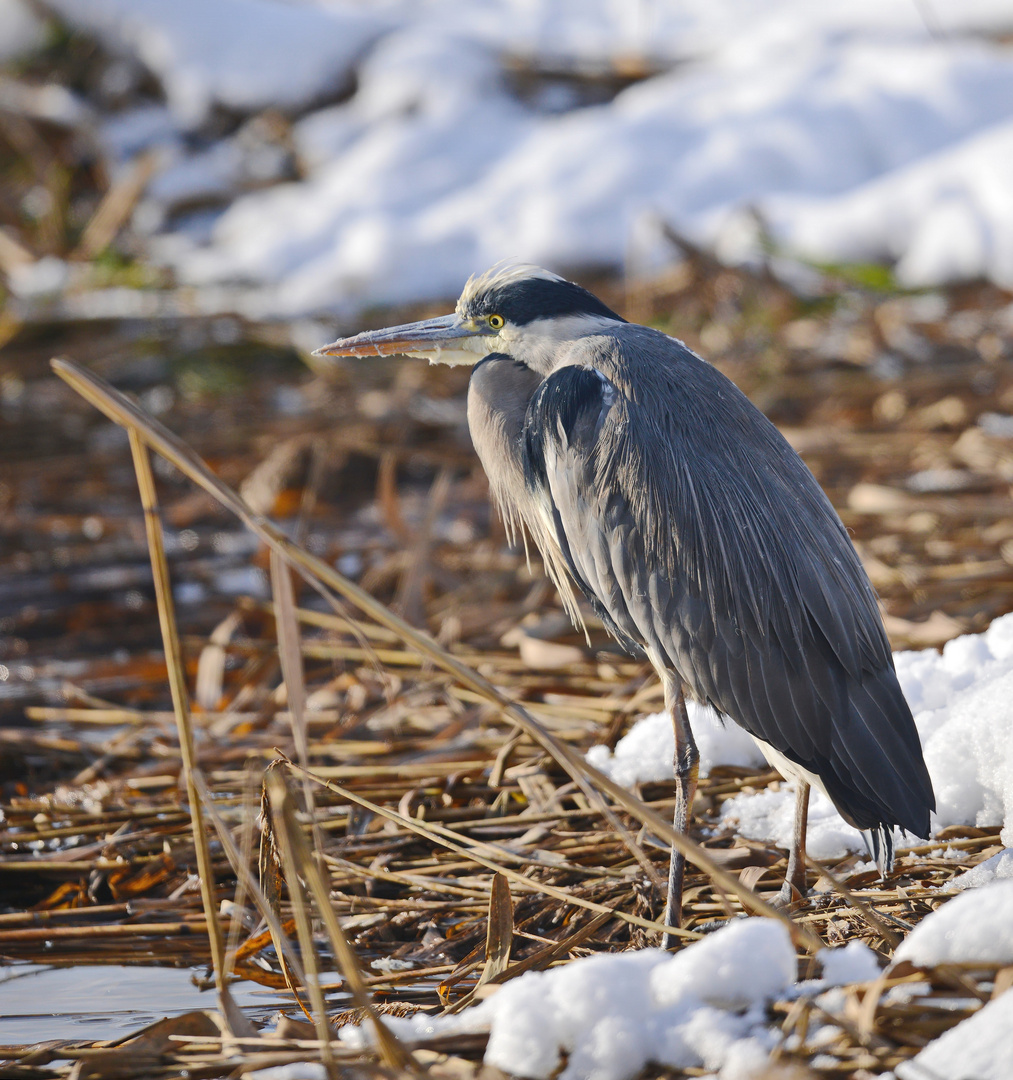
961 704
977 925
946 217
612 1014
997 868
851 963
961 701
690 147
238 54
978 1048
856 130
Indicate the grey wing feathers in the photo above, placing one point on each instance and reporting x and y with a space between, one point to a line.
567 411
703 537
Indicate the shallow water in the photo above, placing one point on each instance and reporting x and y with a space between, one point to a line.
107 1001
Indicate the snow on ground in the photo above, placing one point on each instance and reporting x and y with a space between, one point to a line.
976 925
851 963
945 217
768 815
606 1017
998 868
961 704
978 1048
237 54
609 1015
645 752
874 129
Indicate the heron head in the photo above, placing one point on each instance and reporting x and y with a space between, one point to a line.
523 311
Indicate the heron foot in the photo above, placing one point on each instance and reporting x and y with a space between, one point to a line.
790 899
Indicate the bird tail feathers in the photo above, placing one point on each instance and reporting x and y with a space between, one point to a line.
879 841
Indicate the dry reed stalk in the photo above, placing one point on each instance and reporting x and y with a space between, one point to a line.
249 802
44 918
75 866
501 854
337 623
401 770
500 932
236 1022
287 829
289 652
415 880
117 930
322 577
300 863
113 717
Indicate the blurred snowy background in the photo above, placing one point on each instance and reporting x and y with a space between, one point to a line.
289 158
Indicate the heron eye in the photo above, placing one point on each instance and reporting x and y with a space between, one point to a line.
496 322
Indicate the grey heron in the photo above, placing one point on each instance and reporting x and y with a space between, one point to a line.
653 486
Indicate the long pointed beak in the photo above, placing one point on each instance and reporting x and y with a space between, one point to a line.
438 340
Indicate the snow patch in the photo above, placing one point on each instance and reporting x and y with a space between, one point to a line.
998 868
240 54
976 925
612 1014
978 1048
852 963
769 815
645 752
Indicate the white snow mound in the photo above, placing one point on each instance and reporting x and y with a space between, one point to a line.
978 1048
645 752
612 1014
976 925
998 868
851 963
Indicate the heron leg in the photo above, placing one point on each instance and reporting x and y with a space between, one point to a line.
794 881
687 767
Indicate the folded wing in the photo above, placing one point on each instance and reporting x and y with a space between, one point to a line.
700 536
